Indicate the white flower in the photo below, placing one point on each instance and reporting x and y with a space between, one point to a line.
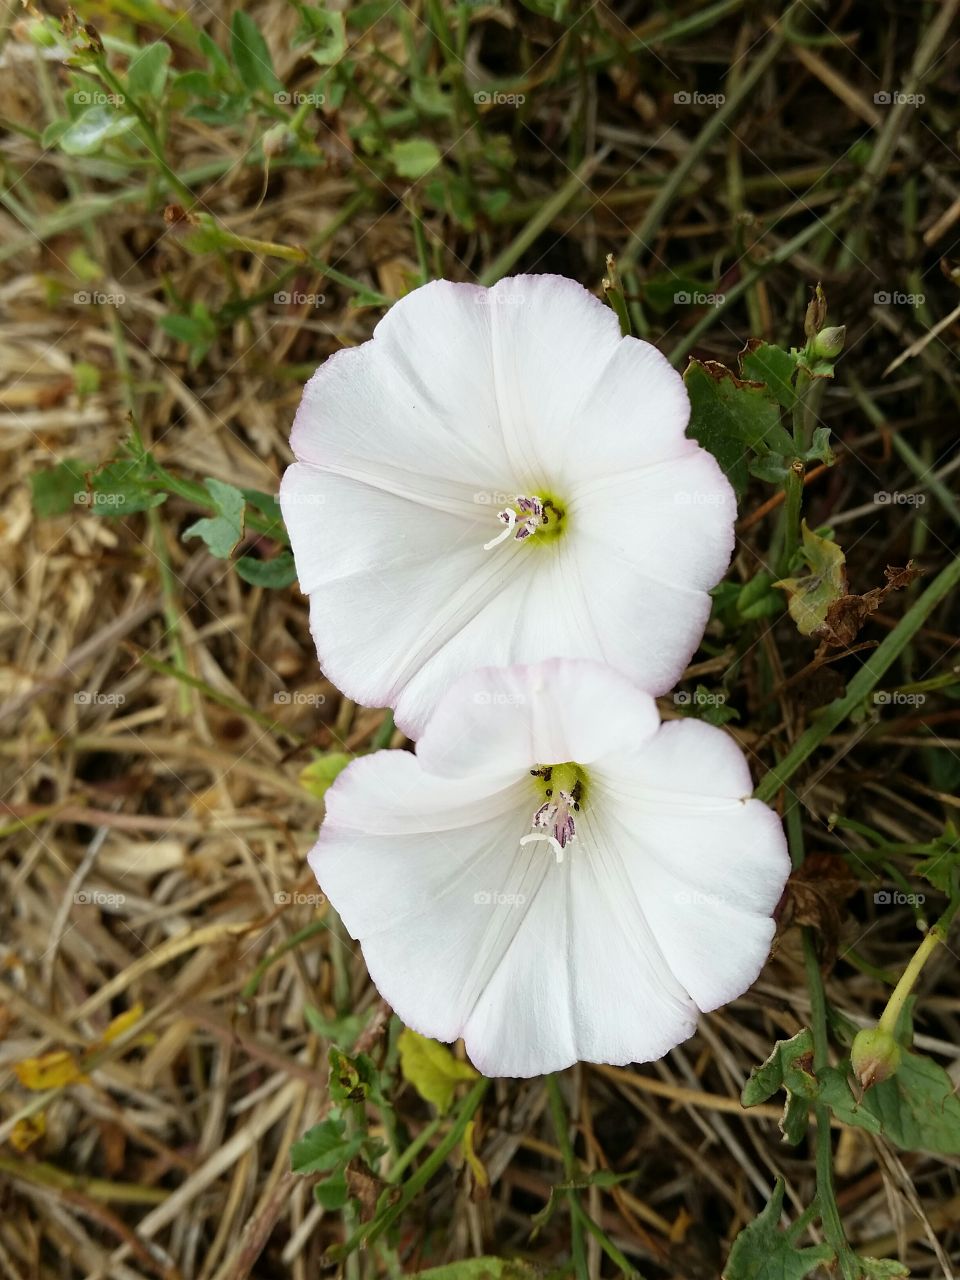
555 875
498 476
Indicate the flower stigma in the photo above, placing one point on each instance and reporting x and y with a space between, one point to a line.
528 516
562 787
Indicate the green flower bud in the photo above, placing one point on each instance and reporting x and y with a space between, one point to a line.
874 1057
829 342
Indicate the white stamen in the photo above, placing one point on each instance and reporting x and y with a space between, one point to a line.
541 835
511 518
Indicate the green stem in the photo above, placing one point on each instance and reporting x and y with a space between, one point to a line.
875 665
936 935
558 1113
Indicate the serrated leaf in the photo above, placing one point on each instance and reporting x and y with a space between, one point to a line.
324 1147
941 867
763 1252
414 157
122 488
789 1067
432 1069
332 1192
732 418
93 127
223 531
55 490
276 573
810 597
325 30
917 1108
251 56
774 367
147 73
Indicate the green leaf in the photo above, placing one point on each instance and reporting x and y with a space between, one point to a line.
789 1067
917 1109
320 774
56 490
732 418
882 1269
93 127
432 1069
251 56
325 30
482 1269
811 596
332 1192
277 573
147 73
414 157
122 488
223 531
324 1147
763 1252
944 862
774 367
342 1030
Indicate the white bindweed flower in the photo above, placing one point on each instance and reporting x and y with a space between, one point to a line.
498 476
555 875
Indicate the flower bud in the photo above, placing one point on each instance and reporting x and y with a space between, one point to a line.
829 342
874 1057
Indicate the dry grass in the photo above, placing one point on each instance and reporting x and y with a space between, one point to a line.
153 829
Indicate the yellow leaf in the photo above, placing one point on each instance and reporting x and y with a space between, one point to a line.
811 596
51 1071
28 1131
432 1069
321 772
480 1176
122 1023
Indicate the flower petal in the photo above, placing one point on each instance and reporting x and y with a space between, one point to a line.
502 719
708 864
